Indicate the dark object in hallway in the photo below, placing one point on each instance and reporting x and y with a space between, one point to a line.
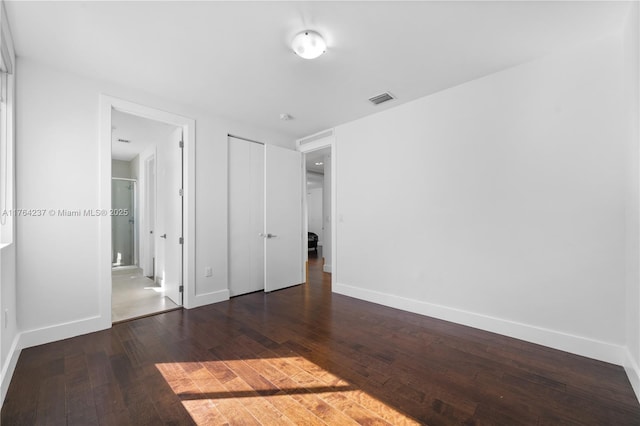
313 241
305 355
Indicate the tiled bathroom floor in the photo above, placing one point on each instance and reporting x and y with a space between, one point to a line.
135 295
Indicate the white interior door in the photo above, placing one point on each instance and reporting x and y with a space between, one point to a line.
283 218
246 216
168 229
147 240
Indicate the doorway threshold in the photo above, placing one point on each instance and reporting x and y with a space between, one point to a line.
179 308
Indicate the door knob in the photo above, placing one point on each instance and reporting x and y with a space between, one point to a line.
163 236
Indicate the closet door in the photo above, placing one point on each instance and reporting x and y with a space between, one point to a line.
283 218
246 216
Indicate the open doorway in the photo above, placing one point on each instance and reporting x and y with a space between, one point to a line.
319 160
142 277
318 212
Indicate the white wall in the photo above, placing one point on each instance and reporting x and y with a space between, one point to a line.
632 89
499 203
314 212
122 169
57 158
8 302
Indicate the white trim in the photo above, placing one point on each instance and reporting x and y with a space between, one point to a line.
633 373
9 367
8 231
56 332
209 298
7 144
107 104
334 210
191 298
579 345
40 336
304 249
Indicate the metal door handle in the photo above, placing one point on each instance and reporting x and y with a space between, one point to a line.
163 236
267 235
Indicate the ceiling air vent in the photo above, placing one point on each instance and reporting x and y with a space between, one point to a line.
383 97
124 140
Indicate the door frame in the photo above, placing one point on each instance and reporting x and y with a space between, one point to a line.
315 142
107 105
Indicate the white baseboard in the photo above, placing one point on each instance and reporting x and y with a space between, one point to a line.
62 331
326 268
633 372
40 336
208 298
9 367
579 345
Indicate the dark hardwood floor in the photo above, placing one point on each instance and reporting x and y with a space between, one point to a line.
306 356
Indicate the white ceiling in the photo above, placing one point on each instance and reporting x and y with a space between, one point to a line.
141 133
233 58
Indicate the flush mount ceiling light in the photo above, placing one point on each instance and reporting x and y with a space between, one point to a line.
308 44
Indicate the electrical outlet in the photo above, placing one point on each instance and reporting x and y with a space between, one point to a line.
208 271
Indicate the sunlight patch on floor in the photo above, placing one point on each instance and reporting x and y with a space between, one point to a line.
273 390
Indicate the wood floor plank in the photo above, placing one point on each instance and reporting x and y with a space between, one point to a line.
80 405
286 401
305 355
110 407
51 402
326 386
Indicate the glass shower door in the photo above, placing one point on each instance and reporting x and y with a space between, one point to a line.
123 195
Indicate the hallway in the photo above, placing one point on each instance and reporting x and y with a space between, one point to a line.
134 296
